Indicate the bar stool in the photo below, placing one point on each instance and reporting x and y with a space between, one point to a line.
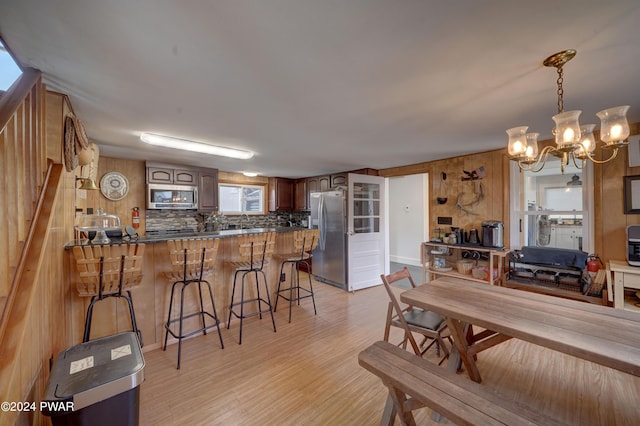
109 271
303 243
254 253
191 259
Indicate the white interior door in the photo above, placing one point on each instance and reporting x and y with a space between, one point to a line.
366 230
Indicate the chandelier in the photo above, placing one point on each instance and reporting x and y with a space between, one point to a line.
574 143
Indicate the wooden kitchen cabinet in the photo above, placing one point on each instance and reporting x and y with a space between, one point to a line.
339 179
208 190
185 177
280 194
301 195
159 175
171 175
317 184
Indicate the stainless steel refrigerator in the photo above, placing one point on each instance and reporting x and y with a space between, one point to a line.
329 214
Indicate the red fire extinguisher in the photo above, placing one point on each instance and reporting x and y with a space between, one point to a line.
593 264
135 217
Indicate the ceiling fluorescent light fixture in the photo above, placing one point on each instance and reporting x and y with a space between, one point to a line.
574 143
187 145
250 174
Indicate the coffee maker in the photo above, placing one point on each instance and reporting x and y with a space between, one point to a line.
633 245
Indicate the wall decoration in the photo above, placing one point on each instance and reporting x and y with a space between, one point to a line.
114 186
632 194
479 195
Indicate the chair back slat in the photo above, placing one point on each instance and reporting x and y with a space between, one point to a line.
94 261
305 240
186 257
255 250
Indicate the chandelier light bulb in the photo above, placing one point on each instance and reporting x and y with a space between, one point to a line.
517 140
587 142
616 132
531 151
614 126
567 128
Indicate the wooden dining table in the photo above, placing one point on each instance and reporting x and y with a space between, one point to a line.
596 333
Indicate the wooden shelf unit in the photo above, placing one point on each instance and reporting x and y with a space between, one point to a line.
494 258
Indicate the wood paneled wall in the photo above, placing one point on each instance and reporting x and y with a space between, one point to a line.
134 171
37 314
494 205
610 221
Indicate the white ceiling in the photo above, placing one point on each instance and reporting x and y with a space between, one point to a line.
321 86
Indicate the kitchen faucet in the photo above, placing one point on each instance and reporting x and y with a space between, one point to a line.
246 216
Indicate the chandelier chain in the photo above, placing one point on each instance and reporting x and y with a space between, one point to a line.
560 90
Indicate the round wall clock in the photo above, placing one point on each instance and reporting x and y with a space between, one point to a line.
114 186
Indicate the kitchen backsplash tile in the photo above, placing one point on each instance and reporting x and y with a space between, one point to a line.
189 220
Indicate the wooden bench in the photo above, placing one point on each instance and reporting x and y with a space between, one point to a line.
414 383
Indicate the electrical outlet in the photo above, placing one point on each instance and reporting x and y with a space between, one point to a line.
445 220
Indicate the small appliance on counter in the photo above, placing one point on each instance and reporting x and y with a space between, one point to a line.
633 245
492 234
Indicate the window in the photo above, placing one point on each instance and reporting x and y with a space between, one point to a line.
551 208
9 70
240 199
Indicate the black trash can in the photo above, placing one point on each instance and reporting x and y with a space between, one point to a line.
96 383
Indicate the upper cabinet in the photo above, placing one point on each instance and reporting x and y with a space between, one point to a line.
339 179
318 183
326 183
185 177
205 179
161 174
208 190
280 194
300 195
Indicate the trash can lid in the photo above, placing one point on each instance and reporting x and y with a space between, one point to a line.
96 370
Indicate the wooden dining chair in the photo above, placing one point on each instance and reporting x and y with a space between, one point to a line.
413 320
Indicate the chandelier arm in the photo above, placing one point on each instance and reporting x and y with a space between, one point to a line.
613 155
575 162
542 159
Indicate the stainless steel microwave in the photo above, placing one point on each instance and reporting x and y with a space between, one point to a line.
161 196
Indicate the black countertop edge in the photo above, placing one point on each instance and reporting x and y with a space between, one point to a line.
160 238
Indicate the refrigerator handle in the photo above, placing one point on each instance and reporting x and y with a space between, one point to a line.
321 224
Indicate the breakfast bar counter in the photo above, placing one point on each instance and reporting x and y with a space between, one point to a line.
151 297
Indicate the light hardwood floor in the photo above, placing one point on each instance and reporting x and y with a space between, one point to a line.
308 374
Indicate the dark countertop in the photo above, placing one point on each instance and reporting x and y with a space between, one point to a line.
163 237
